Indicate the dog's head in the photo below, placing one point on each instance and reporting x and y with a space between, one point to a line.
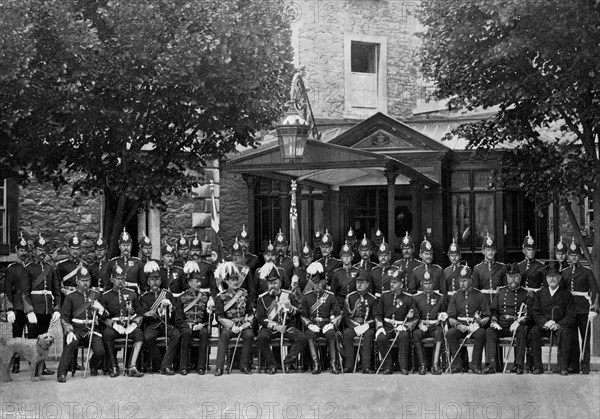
45 341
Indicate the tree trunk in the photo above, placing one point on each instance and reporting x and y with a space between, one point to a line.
118 211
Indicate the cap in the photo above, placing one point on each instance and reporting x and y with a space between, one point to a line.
124 238
167 249
244 237
513 269
144 241
365 244
118 272
363 275
561 246
22 243
326 240
100 244
195 244
40 243
454 249
378 239
270 250
574 248
182 243
384 249
425 246
306 252
528 242
406 242
350 237
346 250
236 248
552 268
488 242
280 239
75 242
465 273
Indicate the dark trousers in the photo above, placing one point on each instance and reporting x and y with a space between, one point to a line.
187 335
562 337
69 350
19 325
455 338
329 335
246 339
366 343
41 327
491 344
151 334
577 332
433 331
383 344
292 334
109 335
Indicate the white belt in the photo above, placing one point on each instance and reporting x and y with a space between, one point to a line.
42 292
132 284
581 294
82 321
531 289
465 319
489 291
122 319
394 322
430 321
451 292
67 290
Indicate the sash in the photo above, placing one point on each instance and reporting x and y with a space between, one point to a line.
233 300
192 303
244 272
273 309
70 275
81 309
494 272
309 286
529 274
161 296
41 276
318 304
353 311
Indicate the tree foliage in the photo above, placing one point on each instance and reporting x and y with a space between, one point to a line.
136 95
538 62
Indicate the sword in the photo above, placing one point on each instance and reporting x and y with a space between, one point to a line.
587 328
285 313
127 305
461 345
360 342
391 346
237 341
87 359
512 341
446 347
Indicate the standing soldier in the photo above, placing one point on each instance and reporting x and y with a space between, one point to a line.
451 273
99 269
246 279
234 312
300 277
510 312
162 317
377 240
532 276
317 243
468 314
250 259
172 277
359 320
80 324
580 281
330 264
351 240
183 252
276 313
123 320
282 259
43 292
554 315
488 275
206 268
431 308
560 254
320 315
66 270
396 315
344 278
145 249
427 269
131 266
365 249
407 264
381 274
17 298
194 303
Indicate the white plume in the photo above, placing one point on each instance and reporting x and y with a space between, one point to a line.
314 268
191 266
266 269
151 266
226 269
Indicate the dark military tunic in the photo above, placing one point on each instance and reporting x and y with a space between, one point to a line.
343 283
506 304
16 287
392 310
44 291
100 275
580 281
430 305
133 269
434 272
115 303
173 279
452 275
407 265
287 264
66 271
464 305
330 264
381 276
318 309
487 277
532 274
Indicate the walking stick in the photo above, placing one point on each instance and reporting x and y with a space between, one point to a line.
209 325
587 328
391 346
237 341
127 305
512 340
551 335
87 359
285 313
360 342
461 345
166 332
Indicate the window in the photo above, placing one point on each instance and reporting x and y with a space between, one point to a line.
589 216
364 57
9 195
3 211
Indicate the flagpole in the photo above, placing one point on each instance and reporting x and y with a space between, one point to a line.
294 233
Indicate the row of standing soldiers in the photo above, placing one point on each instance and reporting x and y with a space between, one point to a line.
381 302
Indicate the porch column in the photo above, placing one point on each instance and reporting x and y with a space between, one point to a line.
154 231
391 176
417 233
251 181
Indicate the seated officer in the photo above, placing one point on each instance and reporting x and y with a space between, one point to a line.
359 320
431 306
79 316
276 313
122 307
320 315
509 317
554 314
261 274
234 311
395 316
194 302
162 317
468 314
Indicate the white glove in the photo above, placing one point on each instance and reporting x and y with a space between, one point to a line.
280 328
380 331
287 306
131 328
56 316
473 327
165 302
296 263
198 326
98 307
359 330
327 327
496 326
514 326
400 328
118 328
11 317
235 329
294 281
592 315
71 337
442 317
423 327
211 304
32 318
314 328
549 324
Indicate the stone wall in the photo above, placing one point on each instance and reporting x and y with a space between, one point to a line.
234 206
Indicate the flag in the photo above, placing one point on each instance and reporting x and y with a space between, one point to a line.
294 233
214 217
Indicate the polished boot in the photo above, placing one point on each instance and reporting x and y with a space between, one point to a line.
315 357
420 359
332 358
435 369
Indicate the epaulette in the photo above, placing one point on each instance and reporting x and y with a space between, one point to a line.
61 261
422 265
480 263
337 269
415 294
368 293
129 289
289 292
115 258
14 263
436 265
135 258
147 292
501 286
438 293
410 295
353 292
385 292
263 294
327 292
106 292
